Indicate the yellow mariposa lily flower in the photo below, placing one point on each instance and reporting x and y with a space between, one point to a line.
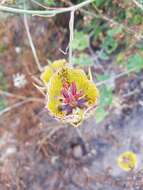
71 96
127 161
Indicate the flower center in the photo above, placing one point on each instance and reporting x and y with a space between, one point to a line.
72 98
126 160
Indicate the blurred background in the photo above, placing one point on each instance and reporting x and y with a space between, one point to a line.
108 38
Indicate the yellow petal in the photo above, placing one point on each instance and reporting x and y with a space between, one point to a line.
127 161
46 75
83 83
58 64
51 69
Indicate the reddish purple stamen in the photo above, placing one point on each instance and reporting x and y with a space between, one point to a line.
73 88
65 93
72 98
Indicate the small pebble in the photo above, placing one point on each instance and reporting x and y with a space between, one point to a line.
54 159
141 84
10 151
77 151
18 49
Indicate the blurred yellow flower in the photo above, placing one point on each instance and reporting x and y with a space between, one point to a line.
71 96
127 161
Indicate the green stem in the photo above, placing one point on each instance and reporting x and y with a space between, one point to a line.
45 12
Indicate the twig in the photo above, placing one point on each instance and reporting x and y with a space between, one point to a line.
116 77
130 93
31 43
45 12
90 74
64 51
23 98
79 133
16 105
9 94
45 16
138 4
71 28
